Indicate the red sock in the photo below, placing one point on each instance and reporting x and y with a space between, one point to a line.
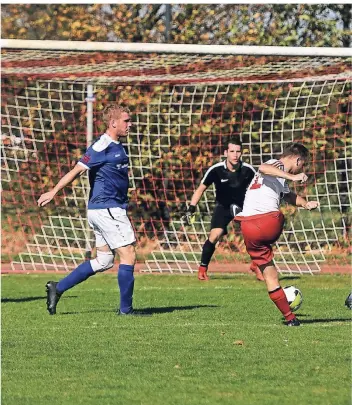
279 299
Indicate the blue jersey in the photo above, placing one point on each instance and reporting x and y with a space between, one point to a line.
107 162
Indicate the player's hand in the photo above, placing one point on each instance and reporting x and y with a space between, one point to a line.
302 177
311 205
189 216
45 198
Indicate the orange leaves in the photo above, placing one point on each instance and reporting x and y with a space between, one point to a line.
193 23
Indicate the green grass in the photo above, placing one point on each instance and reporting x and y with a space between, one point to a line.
221 342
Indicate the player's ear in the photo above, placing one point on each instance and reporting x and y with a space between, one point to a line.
225 153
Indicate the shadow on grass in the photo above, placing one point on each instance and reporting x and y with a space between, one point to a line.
148 311
28 299
288 278
224 277
89 311
22 299
163 310
327 320
320 320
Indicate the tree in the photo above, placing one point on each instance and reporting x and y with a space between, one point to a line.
254 24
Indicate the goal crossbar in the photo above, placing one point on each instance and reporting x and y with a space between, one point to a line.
176 48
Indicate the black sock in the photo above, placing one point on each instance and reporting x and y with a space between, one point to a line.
207 253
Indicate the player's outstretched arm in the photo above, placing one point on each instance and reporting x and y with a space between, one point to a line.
67 179
299 201
198 194
189 216
271 170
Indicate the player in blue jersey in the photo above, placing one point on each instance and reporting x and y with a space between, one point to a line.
107 163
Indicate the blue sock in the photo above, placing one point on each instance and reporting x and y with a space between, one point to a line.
126 283
79 274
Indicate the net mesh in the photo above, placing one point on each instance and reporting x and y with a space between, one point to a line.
184 109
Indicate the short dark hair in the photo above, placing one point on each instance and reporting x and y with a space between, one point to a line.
296 149
234 141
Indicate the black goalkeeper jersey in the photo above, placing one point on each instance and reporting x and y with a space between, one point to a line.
230 186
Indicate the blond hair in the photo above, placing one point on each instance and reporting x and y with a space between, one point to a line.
112 111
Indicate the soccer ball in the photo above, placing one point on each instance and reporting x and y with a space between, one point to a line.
294 297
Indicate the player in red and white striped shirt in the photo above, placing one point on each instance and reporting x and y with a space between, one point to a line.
262 221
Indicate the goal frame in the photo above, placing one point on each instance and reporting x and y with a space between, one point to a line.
255 50
140 48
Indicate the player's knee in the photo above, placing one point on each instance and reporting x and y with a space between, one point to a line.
103 261
127 254
215 235
214 239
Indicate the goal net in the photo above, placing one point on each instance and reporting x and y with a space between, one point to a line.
184 108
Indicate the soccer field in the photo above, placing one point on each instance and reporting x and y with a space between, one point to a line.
221 342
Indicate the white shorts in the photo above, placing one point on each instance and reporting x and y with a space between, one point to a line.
111 227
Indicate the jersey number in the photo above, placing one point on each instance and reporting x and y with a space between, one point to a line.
258 181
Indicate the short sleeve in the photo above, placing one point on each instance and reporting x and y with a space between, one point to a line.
279 165
95 154
92 158
209 177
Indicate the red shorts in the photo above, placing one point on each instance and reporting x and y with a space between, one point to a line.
259 233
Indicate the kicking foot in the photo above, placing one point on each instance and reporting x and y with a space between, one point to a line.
293 322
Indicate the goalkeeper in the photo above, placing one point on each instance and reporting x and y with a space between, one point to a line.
231 178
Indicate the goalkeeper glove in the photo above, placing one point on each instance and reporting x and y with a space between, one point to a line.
190 215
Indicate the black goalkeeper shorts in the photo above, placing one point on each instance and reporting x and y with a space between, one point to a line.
222 216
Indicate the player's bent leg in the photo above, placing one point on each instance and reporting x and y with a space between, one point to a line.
276 293
259 234
55 290
207 253
103 261
125 278
271 276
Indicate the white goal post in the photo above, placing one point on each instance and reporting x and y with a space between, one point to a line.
186 100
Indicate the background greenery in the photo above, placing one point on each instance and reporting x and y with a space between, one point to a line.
255 24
